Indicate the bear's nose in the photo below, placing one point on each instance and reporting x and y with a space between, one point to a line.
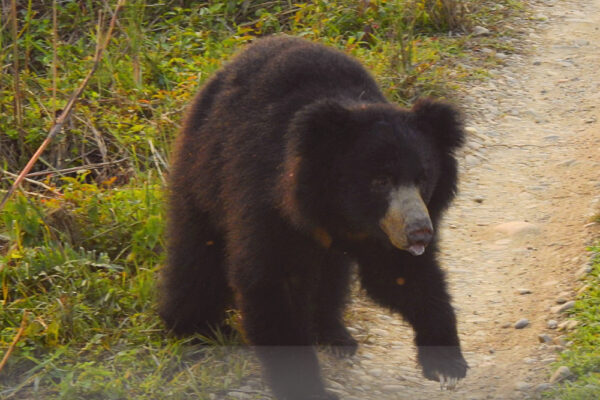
418 238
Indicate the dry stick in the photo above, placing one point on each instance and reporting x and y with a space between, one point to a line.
16 81
33 182
54 56
100 46
73 169
14 342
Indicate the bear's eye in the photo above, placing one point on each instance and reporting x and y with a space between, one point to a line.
381 183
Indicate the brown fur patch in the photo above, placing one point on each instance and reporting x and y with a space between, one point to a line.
323 237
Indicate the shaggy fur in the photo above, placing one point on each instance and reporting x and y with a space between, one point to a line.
279 179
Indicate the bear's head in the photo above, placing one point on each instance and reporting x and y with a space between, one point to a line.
371 171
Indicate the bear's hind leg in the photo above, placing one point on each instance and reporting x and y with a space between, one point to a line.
193 290
332 295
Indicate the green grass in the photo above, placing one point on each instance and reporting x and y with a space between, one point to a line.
583 356
80 258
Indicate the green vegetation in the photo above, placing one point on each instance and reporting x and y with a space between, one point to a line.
583 357
81 244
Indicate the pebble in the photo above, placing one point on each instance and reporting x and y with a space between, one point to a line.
542 387
564 307
523 291
544 338
480 31
552 324
560 341
568 325
583 271
560 374
552 138
584 288
522 323
523 386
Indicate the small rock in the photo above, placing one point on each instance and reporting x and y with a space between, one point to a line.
544 338
583 289
523 291
537 62
560 374
542 387
583 271
568 325
523 386
506 325
552 324
552 138
567 306
501 56
480 31
561 300
560 341
522 323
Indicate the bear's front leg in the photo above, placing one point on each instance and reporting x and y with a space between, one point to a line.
280 334
414 286
276 308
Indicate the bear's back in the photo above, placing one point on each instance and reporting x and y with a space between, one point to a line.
293 70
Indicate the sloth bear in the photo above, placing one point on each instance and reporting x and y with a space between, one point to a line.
291 167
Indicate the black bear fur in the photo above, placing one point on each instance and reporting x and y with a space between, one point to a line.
275 190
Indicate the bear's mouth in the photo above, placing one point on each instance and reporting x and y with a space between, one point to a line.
416 249
406 222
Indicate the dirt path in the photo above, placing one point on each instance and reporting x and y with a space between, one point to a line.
514 242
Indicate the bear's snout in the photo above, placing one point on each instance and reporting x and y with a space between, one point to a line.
406 222
418 237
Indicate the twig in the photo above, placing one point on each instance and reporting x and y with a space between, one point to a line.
74 169
32 182
100 46
14 342
97 137
16 80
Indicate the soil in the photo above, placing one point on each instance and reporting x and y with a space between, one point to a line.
514 242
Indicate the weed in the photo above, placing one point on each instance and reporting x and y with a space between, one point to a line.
582 356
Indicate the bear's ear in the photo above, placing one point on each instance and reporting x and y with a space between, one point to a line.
442 121
323 127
